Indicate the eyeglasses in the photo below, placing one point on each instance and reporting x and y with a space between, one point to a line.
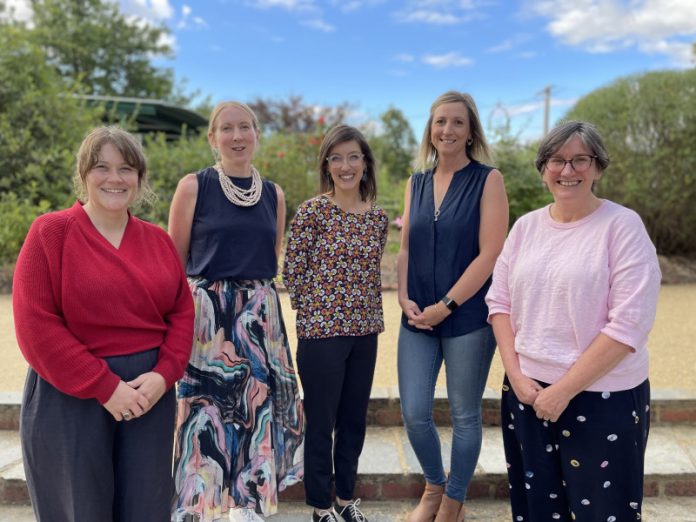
336 160
579 163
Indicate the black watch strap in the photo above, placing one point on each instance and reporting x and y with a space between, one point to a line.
449 303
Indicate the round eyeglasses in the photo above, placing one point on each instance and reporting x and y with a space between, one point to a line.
336 160
580 163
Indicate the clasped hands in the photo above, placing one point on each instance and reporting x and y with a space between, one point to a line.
548 403
135 398
427 318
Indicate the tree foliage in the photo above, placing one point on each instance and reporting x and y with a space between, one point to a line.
41 123
294 115
92 42
395 145
649 125
523 183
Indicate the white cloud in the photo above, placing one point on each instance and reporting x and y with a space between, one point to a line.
527 55
440 12
428 17
185 10
349 7
510 43
404 57
531 107
18 10
441 61
652 26
319 25
154 10
290 5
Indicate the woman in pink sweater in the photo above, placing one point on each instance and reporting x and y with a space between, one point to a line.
104 318
572 302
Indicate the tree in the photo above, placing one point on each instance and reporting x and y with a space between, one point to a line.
523 183
395 146
294 115
648 123
91 41
41 122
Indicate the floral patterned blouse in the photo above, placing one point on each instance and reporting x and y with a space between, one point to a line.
332 269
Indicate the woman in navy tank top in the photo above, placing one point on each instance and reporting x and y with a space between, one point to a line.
239 437
454 225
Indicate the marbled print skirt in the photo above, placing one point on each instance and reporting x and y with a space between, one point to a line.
239 433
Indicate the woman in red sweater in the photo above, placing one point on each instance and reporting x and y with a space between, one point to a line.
104 318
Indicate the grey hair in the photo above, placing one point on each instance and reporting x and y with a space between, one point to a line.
560 135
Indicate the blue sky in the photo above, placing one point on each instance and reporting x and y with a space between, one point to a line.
377 53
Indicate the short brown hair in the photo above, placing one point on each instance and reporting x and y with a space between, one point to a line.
341 134
128 146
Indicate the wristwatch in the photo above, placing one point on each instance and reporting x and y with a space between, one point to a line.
449 303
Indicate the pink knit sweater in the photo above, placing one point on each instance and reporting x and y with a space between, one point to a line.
564 283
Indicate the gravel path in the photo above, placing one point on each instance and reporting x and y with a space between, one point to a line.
672 343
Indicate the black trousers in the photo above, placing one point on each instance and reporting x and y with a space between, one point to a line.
586 467
82 465
336 375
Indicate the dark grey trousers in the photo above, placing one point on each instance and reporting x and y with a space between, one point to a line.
83 466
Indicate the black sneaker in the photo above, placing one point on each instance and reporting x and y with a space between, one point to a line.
328 516
350 512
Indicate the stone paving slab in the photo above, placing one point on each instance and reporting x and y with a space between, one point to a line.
665 509
389 469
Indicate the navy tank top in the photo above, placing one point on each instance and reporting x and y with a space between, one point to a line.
440 251
229 241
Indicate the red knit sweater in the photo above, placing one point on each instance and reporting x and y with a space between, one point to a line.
78 299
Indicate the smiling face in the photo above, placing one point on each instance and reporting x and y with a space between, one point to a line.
568 185
112 183
449 130
234 135
346 164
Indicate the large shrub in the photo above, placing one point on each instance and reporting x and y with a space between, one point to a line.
649 125
523 183
41 123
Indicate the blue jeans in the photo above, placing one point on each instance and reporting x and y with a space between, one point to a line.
467 361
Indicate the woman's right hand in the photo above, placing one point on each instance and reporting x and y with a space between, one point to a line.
410 308
525 389
126 399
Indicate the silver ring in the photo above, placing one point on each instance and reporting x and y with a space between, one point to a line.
126 415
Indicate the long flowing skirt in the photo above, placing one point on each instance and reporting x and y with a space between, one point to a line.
239 438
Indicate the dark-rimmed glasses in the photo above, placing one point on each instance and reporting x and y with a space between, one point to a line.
580 163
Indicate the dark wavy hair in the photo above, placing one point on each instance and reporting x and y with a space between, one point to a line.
341 134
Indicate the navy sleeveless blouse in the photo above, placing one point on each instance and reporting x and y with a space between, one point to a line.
229 241
440 251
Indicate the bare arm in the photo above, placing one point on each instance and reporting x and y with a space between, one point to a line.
181 215
281 210
525 389
409 307
492 231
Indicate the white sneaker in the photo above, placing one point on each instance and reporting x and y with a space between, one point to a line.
244 515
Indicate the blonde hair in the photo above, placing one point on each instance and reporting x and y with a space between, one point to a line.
477 150
127 145
215 114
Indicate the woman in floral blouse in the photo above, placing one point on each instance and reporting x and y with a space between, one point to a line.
332 272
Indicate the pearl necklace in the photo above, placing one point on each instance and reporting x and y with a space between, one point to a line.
237 195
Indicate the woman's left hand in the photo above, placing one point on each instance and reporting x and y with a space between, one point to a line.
431 316
150 384
550 403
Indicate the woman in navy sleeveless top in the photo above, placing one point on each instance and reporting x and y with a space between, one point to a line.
239 437
454 226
